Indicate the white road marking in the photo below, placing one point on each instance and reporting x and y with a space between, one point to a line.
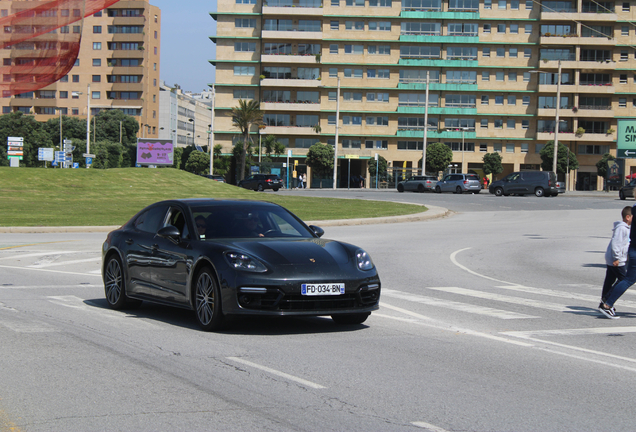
503 298
28 327
571 332
447 304
6 287
47 270
454 261
19 256
594 299
99 259
278 373
428 426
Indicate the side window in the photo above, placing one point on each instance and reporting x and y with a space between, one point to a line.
150 221
177 219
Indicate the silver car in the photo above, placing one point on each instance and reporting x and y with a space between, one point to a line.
627 191
459 183
418 183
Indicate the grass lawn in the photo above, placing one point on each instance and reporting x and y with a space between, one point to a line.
90 197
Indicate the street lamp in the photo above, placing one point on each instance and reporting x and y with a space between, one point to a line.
335 153
425 125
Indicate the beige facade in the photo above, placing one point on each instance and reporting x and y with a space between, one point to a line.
118 62
493 70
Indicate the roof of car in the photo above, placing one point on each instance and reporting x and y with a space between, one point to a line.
217 202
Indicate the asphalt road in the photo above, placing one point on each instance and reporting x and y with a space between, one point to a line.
488 322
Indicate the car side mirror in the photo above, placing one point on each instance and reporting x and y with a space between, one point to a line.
170 232
317 230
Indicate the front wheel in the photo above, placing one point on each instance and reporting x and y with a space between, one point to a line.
499 191
275 189
420 188
539 192
207 301
438 189
349 319
621 195
115 286
458 190
400 188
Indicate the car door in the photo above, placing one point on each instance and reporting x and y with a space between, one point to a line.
172 258
514 184
248 183
446 183
138 253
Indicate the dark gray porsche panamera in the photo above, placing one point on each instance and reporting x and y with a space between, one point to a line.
230 257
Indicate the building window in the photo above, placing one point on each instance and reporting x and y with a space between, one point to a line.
525 124
527 52
622 102
97 45
512 53
510 147
155 34
63 95
498 123
528 28
97 29
333 49
624 31
154 82
501 52
96 95
499 100
97 78
512 76
335 25
486 28
75 78
499 76
77 29
501 28
485 75
623 78
97 62
626 7
529 4
333 72
77 62
243 70
524 147
483 123
514 28
514 4
485 52
526 77
485 99
502 4
487 4
155 50
512 100
335 3
510 123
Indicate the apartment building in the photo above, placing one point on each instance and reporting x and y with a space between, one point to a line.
117 66
492 68
185 117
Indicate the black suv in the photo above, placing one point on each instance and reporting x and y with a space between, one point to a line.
261 182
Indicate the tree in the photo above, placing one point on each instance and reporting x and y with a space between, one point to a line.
221 163
547 156
107 127
601 166
320 158
72 128
269 144
492 163
381 167
247 113
238 153
198 162
438 156
17 124
185 155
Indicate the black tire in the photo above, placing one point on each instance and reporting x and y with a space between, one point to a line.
421 188
260 187
275 189
400 188
499 191
438 189
350 319
207 301
458 190
539 192
521 194
115 286
621 195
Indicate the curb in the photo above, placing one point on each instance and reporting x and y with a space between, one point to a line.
433 212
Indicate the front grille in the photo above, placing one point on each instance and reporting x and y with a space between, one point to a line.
297 302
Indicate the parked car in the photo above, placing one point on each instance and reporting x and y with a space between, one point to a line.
418 183
261 182
561 187
459 183
223 258
627 191
540 183
216 177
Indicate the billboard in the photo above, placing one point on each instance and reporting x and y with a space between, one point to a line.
626 138
152 151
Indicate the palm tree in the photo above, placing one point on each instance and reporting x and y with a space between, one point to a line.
244 116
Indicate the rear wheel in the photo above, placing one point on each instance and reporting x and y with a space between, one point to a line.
420 188
400 188
207 301
260 187
499 191
621 195
438 189
275 189
115 286
539 192
348 319
458 190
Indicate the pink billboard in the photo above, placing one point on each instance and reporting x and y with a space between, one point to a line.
152 151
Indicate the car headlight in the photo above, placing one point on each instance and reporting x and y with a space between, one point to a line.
244 262
363 260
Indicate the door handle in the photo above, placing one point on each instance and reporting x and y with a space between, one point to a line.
129 241
154 247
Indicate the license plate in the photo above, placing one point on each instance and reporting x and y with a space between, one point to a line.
322 289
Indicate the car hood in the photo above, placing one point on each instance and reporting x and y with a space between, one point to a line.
300 253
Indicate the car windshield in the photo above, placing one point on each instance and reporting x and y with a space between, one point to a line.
244 221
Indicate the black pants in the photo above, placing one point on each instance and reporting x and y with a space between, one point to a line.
612 275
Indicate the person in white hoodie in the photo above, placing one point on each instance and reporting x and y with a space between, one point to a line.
616 254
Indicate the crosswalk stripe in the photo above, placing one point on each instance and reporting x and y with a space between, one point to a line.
588 298
446 304
503 298
571 332
53 264
30 255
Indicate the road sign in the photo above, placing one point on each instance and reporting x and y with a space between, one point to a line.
626 138
75 164
45 154
89 161
15 148
88 155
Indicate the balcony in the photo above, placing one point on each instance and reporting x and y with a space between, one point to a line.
291 34
289 58
290 82
292 11
578 64
288 130
133 20
574 16
574 39
290 106
607 88
571 136
433 14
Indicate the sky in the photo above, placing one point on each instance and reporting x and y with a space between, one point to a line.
186 26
